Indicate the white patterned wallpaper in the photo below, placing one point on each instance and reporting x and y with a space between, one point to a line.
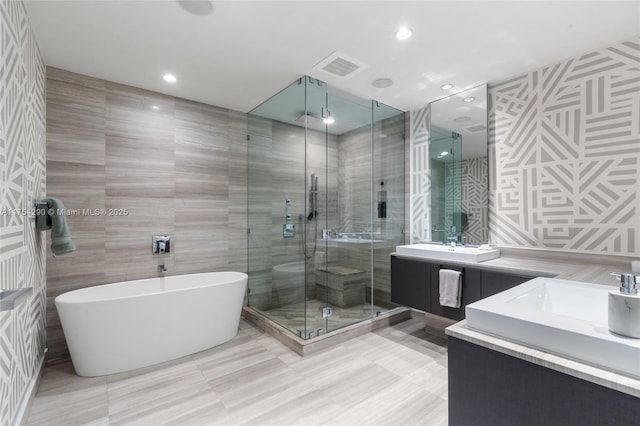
474 199
564 147
22 179
420 180
564 156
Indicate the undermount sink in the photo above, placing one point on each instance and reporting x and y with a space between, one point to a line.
443 252
567 318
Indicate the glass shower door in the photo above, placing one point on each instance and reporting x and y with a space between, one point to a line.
348 271
317 210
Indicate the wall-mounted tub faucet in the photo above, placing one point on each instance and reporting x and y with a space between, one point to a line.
161 268
160 244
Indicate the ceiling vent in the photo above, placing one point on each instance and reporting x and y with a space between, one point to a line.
476 128
340 65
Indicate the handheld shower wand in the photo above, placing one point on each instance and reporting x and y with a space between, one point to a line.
313 197
312 216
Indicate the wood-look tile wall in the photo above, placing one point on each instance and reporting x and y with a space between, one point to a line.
178 169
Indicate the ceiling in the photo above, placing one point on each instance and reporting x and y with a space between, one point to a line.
245 52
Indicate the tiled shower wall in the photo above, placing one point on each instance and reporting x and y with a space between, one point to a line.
144 164
22 181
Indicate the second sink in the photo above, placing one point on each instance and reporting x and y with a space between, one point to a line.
442 252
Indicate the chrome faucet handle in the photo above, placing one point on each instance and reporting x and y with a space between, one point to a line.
628 282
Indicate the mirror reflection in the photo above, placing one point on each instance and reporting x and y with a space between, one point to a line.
459 168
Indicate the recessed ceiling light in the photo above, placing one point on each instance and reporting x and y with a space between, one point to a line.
462 119
169 78
155 107
446 86
197 7
403 33
382 83
328 120
468 99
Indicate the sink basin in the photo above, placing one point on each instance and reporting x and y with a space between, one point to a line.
567 318
442 252
10 299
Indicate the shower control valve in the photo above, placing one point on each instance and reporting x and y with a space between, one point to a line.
160 244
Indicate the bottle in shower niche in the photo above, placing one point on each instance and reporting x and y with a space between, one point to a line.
624 306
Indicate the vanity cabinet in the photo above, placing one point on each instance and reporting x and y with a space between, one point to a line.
471 290
416 283
495 282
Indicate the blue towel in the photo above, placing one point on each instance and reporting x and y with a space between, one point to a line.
61 242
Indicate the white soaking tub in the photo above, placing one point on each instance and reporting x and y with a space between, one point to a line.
123 326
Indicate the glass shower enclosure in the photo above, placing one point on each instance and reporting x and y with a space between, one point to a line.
325 207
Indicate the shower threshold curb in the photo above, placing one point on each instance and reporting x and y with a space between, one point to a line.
309 346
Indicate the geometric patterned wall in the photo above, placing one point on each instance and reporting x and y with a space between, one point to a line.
22 180
564 150
420 179
474 199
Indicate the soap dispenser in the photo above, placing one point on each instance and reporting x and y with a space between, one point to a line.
624 306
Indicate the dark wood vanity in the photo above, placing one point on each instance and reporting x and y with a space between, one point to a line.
415 283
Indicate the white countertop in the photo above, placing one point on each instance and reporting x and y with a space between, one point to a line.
570 266
593 269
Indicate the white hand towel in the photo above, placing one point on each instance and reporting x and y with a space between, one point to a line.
450 288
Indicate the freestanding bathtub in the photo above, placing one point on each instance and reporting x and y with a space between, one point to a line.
123 326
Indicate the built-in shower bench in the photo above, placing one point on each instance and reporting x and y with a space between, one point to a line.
340 285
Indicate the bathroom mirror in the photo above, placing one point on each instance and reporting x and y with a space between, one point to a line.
459 168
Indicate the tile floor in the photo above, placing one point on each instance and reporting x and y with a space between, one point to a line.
393 376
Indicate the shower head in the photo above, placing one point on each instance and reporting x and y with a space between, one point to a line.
311 119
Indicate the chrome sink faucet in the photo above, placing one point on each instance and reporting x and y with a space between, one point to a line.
628 282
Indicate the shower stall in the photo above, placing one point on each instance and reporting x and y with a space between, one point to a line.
325 207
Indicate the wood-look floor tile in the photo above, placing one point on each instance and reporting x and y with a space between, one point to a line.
190 406
308 408
401 403
396 375
143 396
261 390
60 378
66 399
244 353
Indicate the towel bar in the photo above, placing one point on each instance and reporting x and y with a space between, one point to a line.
461 272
